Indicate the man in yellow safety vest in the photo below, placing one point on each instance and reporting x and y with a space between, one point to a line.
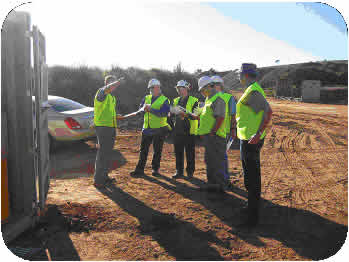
105 122
212 131
253 114
229 119
155 127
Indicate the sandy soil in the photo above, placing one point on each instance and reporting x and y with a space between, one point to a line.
304 211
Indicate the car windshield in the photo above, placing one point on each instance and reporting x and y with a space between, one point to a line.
63 104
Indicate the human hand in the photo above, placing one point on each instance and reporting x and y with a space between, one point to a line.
147 108
182 115
119 117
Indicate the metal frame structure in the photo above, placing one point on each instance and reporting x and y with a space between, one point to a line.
25 151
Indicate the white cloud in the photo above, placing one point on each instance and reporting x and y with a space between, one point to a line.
146 35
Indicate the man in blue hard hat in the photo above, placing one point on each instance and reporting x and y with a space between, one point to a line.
253 113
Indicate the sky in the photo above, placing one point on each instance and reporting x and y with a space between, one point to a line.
199 35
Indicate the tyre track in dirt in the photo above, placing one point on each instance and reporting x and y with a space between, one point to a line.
296 148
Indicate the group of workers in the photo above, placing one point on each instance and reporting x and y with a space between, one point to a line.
217 121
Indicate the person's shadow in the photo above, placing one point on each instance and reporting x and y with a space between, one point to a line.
77 159
179 238
309 234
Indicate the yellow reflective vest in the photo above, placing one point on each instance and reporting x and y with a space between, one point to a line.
104 112
151 120
247 121
189 107
207 119
227 119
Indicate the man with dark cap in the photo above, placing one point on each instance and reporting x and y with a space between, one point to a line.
253 113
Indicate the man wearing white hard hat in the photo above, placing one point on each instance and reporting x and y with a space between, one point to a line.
212 130
155 127
230 109
185 129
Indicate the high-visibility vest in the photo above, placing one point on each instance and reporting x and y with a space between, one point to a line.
151 120
189 107
247 121
227 119
207 120
104 112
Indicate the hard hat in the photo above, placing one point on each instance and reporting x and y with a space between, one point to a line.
248 68
204 81
182 83
217 79
153 82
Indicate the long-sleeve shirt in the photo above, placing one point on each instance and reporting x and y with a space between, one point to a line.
162 112
101 95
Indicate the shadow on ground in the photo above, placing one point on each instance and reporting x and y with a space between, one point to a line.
309 234
49 240
180 239
77 159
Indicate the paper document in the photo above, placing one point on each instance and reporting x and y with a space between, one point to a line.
178 109
230 142
135 113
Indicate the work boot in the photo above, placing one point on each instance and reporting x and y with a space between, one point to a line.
177 175
214 188
190 174
137 173
155 173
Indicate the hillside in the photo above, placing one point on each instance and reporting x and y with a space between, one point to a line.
328 72
81 83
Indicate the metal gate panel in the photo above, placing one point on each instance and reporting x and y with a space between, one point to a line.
16 82
41 97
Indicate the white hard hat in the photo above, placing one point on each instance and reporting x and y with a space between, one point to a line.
204 81
217 79
182 83
153 82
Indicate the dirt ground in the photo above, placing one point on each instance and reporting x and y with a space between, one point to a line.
304 203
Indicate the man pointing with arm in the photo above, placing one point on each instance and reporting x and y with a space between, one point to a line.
105 121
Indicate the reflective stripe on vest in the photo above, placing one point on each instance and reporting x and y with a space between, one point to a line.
104 112
151 120
189 107
247 121
227 119
207 120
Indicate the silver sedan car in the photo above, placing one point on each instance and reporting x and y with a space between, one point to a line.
69 120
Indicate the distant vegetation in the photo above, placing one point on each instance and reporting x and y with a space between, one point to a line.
81 83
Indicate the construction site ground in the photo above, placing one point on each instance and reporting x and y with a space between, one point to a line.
304 202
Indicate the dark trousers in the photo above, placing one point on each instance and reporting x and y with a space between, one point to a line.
214 158
187 143
250 159
106 140
158 142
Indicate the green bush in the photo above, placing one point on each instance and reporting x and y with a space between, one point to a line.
81 83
